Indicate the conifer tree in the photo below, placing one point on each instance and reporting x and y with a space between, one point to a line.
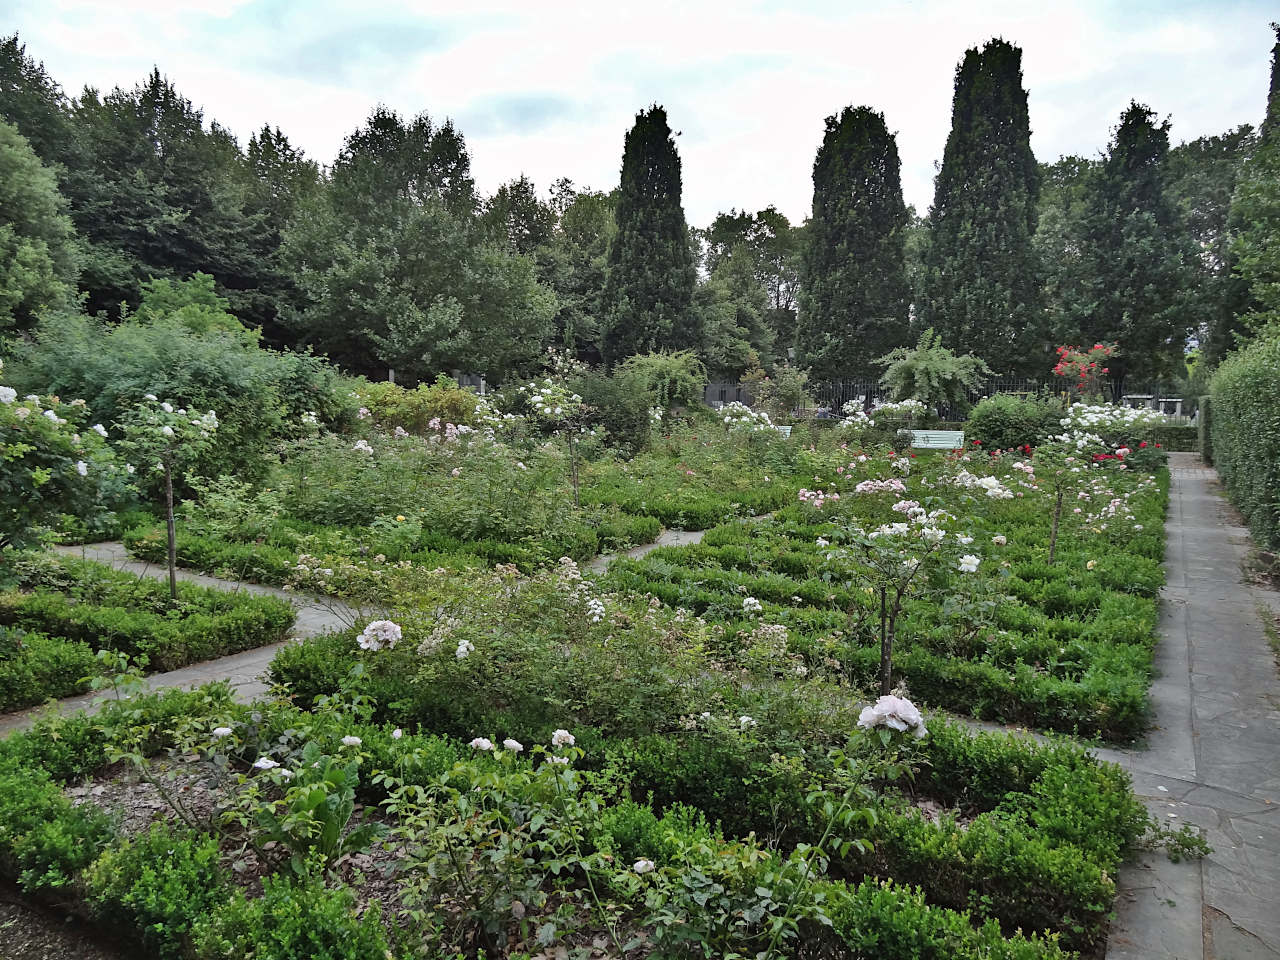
1255 214
853 291
649 292
1137 250
981 283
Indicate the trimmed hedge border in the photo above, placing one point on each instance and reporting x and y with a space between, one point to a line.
94 605
1204 430
1245 434
166 890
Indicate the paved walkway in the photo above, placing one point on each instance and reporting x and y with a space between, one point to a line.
1214 757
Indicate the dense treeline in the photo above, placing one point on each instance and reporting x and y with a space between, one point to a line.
389 259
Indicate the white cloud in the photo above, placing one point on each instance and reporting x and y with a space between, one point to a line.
550 89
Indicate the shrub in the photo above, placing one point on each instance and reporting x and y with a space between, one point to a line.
882 919
34 667
260 395
391 405
104 608
619 403
44 840
1245 434
52 463
669 379
157 885
1204 430
290 920
1006 421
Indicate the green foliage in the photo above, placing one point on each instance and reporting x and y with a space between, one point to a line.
1137 250
44 840
668 379
731 309
879 918
38 262
391 405
1255 214
193 303
1201 179
931 373
1204 430
157 193
259 395
390 267
981 282
1006 421
649 292
767 243
310 821
854 292
106 609
1246 434
35 667
616 402
289 921
158 885
54 463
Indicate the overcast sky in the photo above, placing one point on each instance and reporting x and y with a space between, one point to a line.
548 89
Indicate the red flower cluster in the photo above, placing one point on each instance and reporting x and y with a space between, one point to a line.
1081 365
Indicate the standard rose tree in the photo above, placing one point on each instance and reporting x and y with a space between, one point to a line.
162 438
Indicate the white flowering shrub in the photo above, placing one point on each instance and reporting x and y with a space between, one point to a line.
468 642
1112 423
738 417
54 462
908 410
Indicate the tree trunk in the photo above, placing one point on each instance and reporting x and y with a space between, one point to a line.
173 536
1053 534
573 467
886 649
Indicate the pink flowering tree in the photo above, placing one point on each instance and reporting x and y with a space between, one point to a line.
164 438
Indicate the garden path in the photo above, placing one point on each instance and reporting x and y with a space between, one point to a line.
1214 758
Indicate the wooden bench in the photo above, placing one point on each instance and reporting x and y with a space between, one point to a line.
937 439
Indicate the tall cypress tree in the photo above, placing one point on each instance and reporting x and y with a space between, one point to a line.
982 288
853 291
649 292
1138 251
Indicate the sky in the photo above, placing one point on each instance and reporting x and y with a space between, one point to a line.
548 89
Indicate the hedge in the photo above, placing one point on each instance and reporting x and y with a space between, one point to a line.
92 604
1204 430
1245 434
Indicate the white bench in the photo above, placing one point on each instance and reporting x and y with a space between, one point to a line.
937 439
784 430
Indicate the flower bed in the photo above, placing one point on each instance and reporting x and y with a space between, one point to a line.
1063 645
68 608
737 726
587 855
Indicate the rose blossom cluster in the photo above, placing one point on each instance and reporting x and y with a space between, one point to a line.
893 713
